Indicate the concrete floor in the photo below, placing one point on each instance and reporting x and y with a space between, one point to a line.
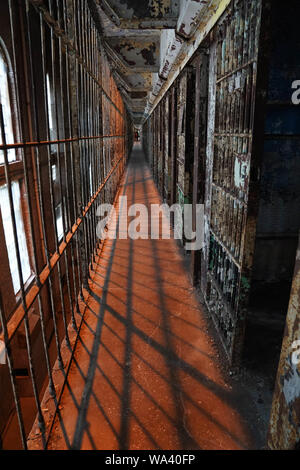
146 373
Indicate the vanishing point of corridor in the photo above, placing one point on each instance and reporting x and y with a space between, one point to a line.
145 373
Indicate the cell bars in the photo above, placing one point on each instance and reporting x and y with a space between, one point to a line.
71 143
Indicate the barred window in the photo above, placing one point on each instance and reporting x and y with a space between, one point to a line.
16 176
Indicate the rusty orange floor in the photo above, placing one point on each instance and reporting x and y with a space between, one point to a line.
146 374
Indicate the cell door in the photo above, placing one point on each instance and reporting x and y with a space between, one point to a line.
233 155
185 137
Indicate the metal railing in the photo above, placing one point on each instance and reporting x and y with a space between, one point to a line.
72 136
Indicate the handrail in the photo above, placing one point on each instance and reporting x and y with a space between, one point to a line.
56 142
20 313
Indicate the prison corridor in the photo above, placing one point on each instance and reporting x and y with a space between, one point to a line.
145 372
112 340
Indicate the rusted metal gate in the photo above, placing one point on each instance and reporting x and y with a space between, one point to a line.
166 153
156 143
200 63
232 177
173 143
160 156
185 136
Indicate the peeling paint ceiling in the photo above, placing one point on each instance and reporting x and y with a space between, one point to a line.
149 41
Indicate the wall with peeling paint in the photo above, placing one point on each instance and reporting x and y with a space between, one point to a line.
284 432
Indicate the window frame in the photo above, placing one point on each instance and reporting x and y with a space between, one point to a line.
16 169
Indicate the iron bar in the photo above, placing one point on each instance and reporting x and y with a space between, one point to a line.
12 376
20 273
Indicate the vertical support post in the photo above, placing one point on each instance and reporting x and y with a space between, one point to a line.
200 65
285 412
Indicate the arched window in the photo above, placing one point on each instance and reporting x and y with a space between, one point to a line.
15 169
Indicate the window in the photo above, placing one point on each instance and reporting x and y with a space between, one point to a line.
54 165
49 101
54 173
91 180
9 237
6 106
15 169
59 222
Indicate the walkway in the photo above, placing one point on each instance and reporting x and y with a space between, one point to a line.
146 373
